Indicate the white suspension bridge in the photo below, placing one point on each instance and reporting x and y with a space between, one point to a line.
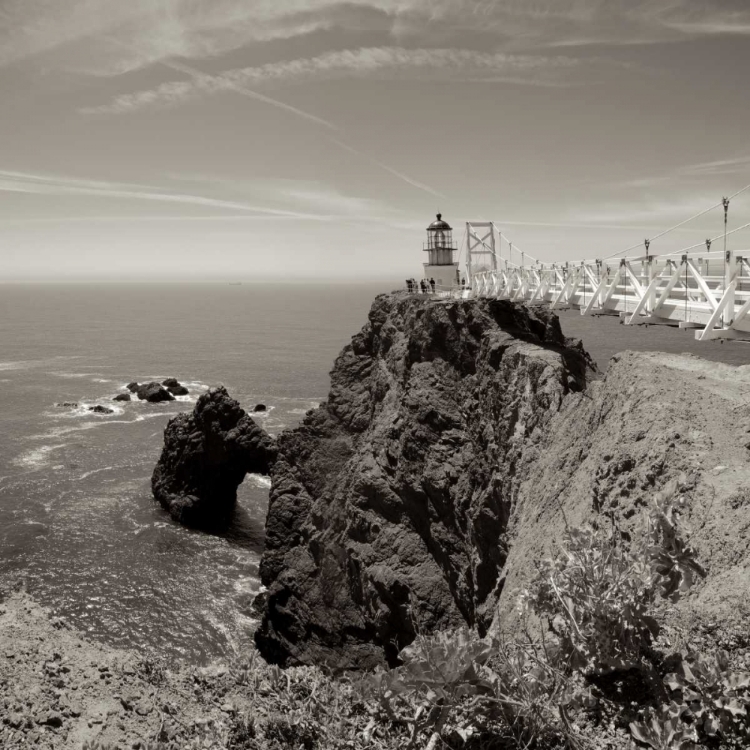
705 286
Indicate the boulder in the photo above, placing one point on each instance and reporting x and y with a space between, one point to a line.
122 397
99 409
132 387
170 382
206 456
259 407
154 393
390 504
178 390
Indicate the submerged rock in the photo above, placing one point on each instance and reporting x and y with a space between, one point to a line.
390 504
132 387
154 393
259 407
206 456
68 404
98 409
170 382
122 397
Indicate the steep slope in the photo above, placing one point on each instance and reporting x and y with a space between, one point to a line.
654 418
390 504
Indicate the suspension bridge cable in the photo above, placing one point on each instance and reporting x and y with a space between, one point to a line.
681 224
702 244
528 255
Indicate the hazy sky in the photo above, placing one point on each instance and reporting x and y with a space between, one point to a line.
293 138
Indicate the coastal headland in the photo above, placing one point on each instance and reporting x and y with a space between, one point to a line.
460 439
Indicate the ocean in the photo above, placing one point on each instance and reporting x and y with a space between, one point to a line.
78 523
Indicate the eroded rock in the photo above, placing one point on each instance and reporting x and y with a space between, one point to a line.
206 456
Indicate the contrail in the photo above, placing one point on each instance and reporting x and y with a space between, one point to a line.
197 74
377 163
182 68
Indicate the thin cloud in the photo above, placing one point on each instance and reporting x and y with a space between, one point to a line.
700 171
200 80
191 30
21 182
239 88
455 64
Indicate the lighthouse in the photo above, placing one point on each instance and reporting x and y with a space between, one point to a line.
440 249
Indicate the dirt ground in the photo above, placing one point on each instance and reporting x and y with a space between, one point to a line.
60 691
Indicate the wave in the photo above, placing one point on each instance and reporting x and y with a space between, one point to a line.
19 365
26 364
73 374
87 474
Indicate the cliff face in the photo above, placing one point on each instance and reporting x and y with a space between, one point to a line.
390 505
206 456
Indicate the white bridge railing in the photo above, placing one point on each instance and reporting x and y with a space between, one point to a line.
702 289
710 293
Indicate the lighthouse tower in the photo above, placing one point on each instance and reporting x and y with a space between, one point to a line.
440 248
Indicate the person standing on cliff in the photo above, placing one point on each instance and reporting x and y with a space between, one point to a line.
432 285
409 286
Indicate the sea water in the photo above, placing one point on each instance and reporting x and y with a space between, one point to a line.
77 519
78 523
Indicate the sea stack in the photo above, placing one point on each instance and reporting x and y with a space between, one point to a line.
206 456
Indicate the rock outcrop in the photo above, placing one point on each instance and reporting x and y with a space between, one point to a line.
175 387
206 456
390 504
153 393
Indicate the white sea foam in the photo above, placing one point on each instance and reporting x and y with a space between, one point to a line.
36 457
84 409
142 417
259 480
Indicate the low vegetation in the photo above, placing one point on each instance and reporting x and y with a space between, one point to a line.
594 666
595 673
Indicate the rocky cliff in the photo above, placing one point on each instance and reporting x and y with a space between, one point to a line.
206 456
390 504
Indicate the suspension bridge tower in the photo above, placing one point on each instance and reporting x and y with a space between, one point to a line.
440 251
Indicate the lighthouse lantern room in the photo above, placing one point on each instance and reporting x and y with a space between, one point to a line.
440 249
